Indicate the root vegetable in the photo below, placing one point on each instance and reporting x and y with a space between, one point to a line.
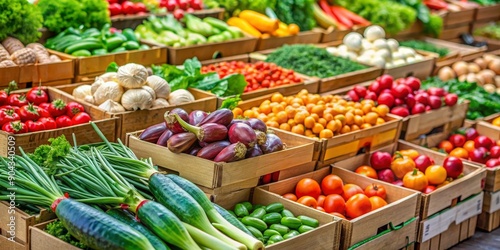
495 66
460 68
497 81
446 73
487 75
134 99
180 96
473 68
12 45
490 88
132 75
23 56
481 63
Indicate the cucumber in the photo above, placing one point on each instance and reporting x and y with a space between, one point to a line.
93 35
231 218
114 42
63 44
216 23
302 229
258 213
98 52
274 207
119 49
87 45
174 198
272 218
130 35
254 222
248 206
241 210
256 232
287 213
82 52
280 228
90 31
131 45
308 221
276 238
165 225
290 222
235 32
291 234
97 229
127 218
144 47
270 242
232 213
258 206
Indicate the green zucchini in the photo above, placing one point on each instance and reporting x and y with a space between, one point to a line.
287 213
258 213
258 206
98 52
272 218
302 229
119 49
82 52
144 47
241 210
308 221
165 225
90 31
215 217
97 229
291 222
231 218
235 32
114 42
254 222
256 232
173 197
248 205
127 218
276 238
216 23
131 45
291 234
130 35
270 232
280 228
87 45
274 207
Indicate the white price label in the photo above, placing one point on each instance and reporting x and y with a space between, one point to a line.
438 224
469 208
494 202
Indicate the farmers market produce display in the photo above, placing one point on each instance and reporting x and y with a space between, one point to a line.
425 46
312 61
347 201
119 7
314 115
491 31
410 169
168 31
403 96
259 75
373 49
13 52
336 16
92 41
33 111
216 136
260 25
468 144
272 223
20 19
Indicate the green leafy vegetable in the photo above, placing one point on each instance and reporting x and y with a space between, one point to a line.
230 102
481 103
112 67
433 24
57 229
312 61
190 76
47 155
492 31
394 17
299 12
62 14
233 7
422 45
486 2
20 19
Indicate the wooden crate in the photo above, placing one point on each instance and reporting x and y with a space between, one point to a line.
421 69
450 33
50 74
335 35
443 197
309 37
212 175
131 121
272 42
86 68
345 145
488 12
132 21
489 219
458 18
462 51
22 221
403 207
451 226
84 132
41 240
7 244
415 30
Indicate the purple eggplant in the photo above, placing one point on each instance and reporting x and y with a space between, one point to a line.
194 150
210 151
261 137
257 124
253 152
196 117
181 142
164 137
273 144
153 133
237 121
172 123
208 132
241 132
220 116
233 152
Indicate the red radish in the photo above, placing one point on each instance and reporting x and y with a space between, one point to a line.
385 81
360 90
190 10
422 162
386 175
435 102
480 141
422 98
413 83
492 163
410 101
400 111
352 95
371 95
375 87
196 4
380 160
418 108
386 99
399 102
401 91
471 134
450 99
436 91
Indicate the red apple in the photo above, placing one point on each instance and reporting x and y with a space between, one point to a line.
380 160
454 166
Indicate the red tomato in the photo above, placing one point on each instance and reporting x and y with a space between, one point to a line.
15 127
450 99
385 81
350 190
376 190
332 184
35 126
377 202
48 122
37 96
115 9
457 140
367 171
321 200
29 112
446 146
358 205
334 203
17 100
8 115
57 108
73 108
63 121
307 187
308 201
290 196
128 8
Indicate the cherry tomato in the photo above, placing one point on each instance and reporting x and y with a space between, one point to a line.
377 202
332 184
376 190
80 118
290 196
334 203
460 153
367 171
358 205
469 146
307 187
308 201
446 146
350 190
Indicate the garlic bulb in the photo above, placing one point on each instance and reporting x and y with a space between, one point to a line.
150 90
160 103
180 96
108 90
112 106
132 76
106 77
134 99
159 85
90 99
97 83
82 91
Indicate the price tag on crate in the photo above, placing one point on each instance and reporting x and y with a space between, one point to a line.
494 202
438 224
469 208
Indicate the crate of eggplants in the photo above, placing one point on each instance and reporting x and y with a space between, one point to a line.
215 136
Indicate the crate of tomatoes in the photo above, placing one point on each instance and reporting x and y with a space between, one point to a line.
451 188
262 77
375 215
30 117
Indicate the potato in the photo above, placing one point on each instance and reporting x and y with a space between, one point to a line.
460 68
